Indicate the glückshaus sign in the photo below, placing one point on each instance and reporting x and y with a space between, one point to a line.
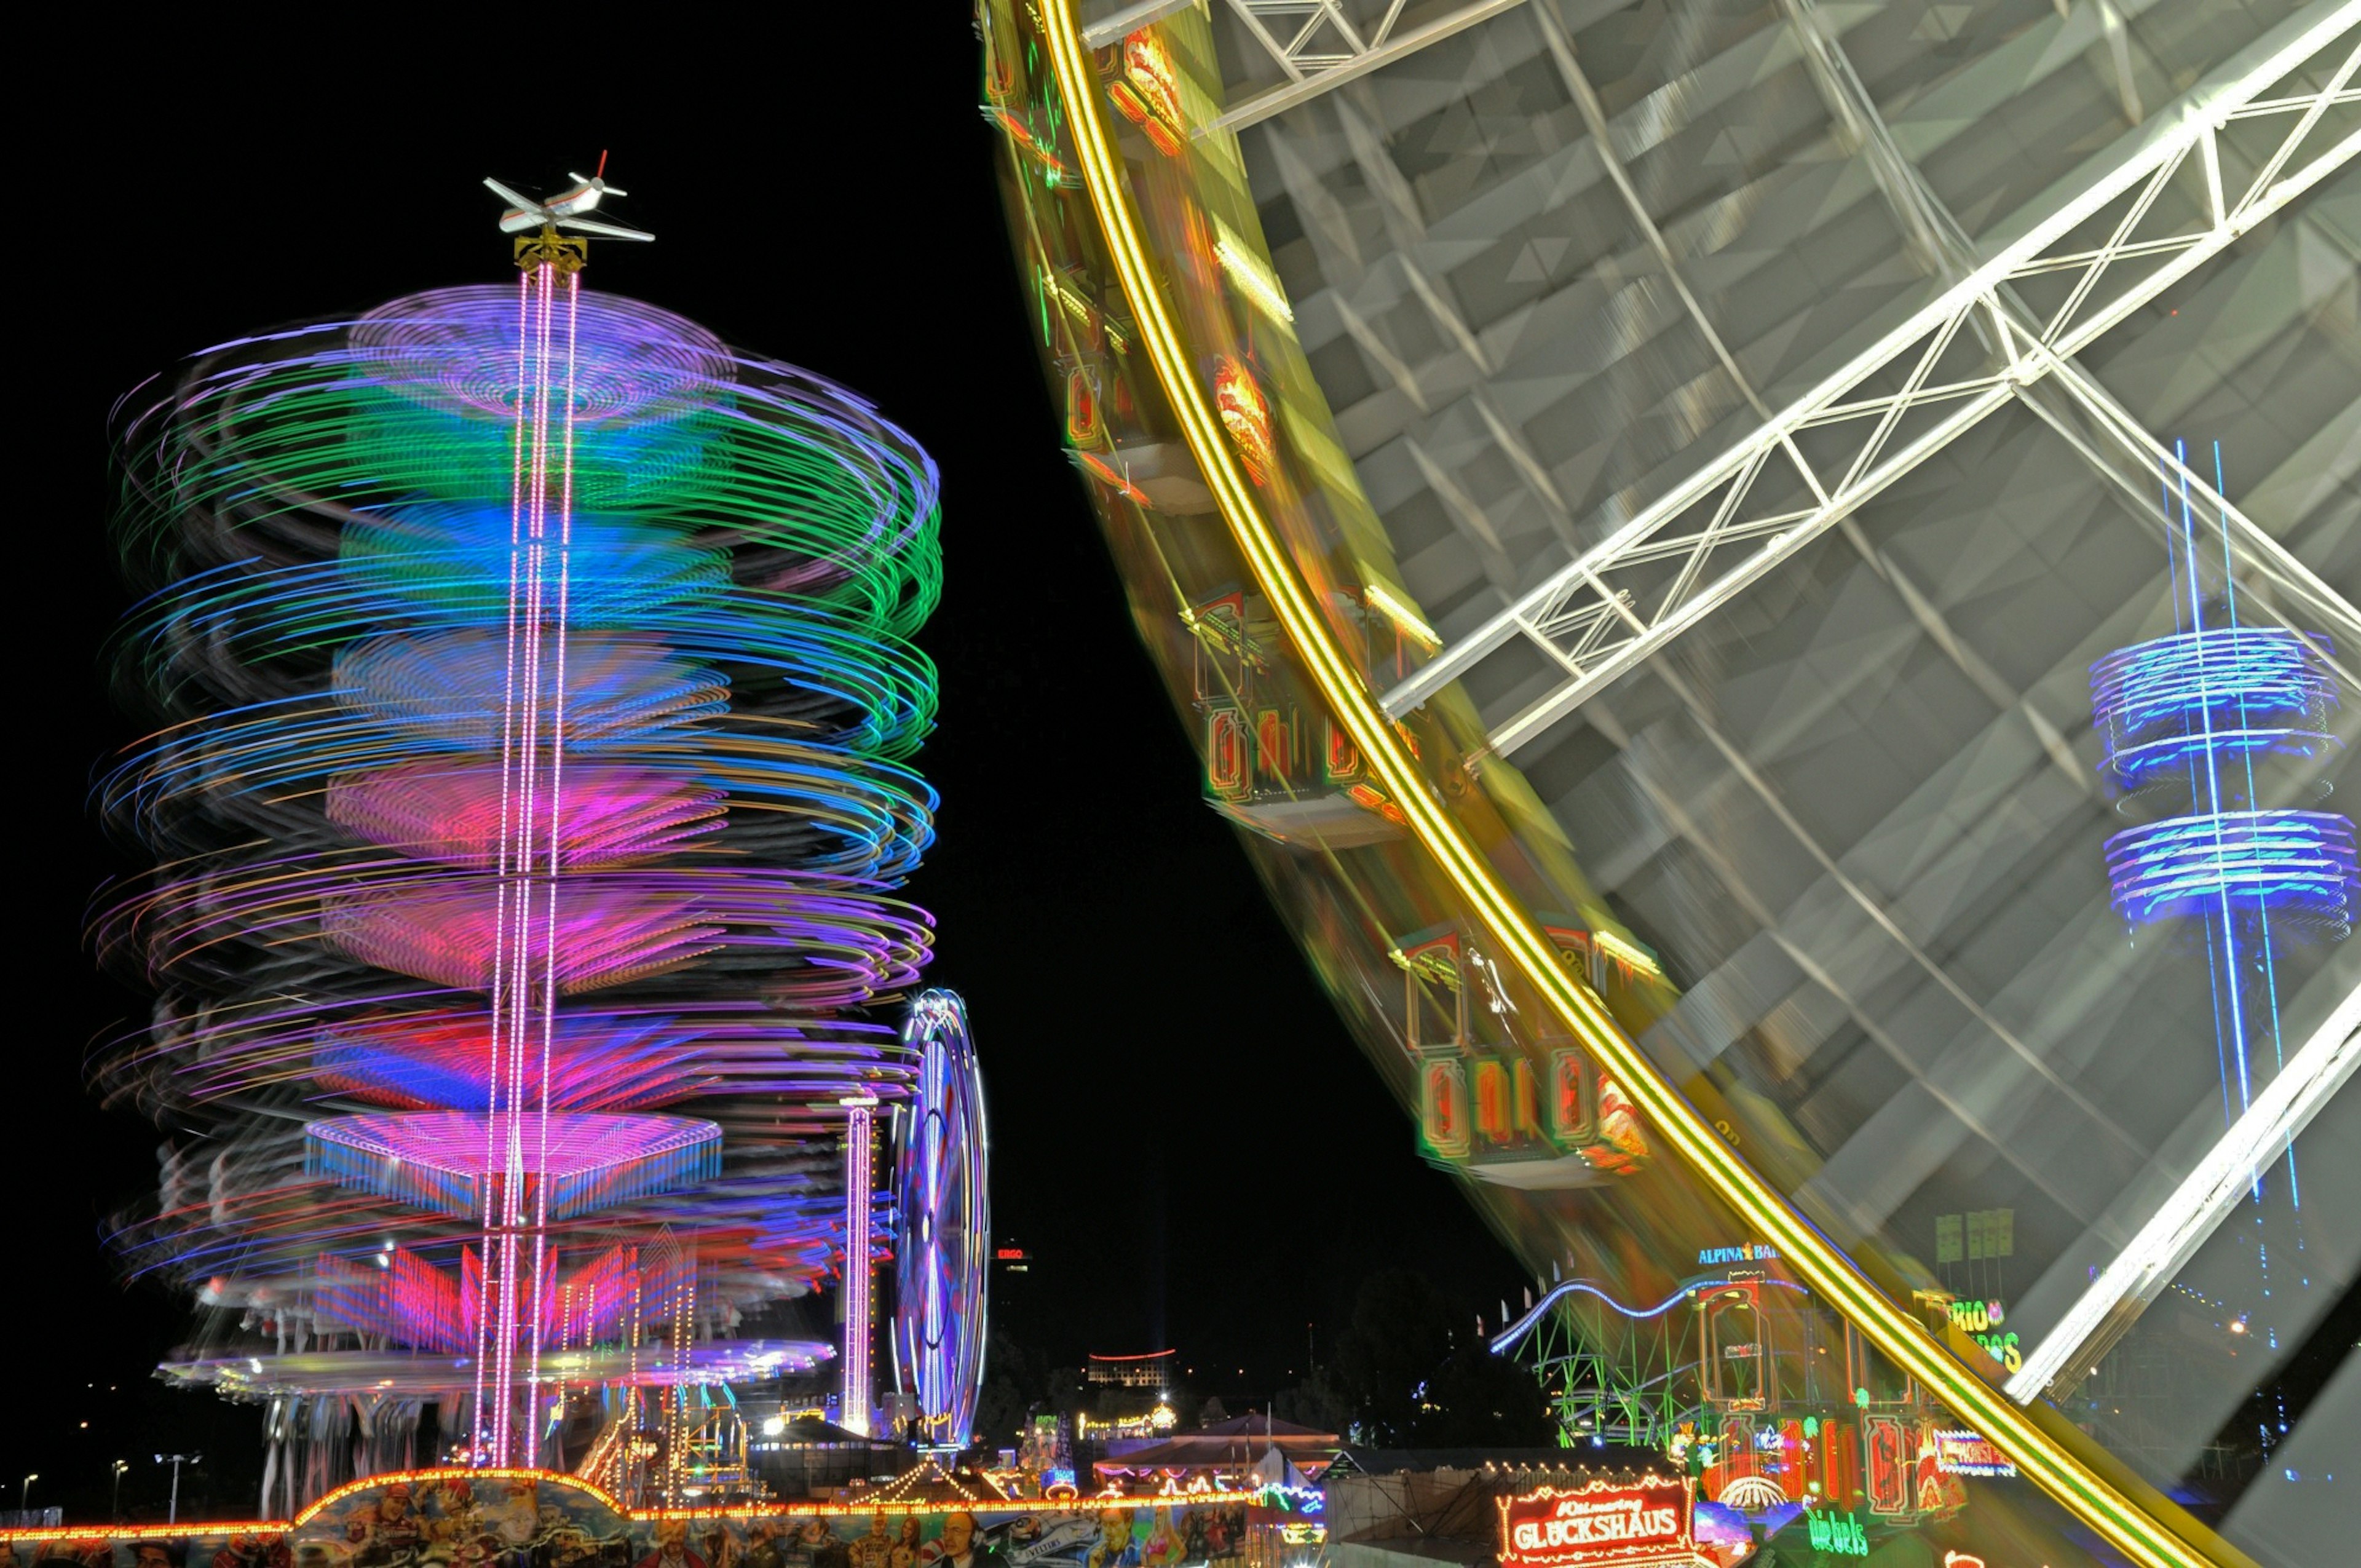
1603 1524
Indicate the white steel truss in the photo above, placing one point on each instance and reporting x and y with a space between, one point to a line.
2211 1188
1317 47
2100 255
1116 25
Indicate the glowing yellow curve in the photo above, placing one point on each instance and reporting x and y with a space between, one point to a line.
2130 1516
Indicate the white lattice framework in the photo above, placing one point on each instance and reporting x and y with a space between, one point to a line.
2158 212
1316 46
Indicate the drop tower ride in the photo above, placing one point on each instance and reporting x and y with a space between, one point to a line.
529 804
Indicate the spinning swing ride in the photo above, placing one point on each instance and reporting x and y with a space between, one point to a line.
528 806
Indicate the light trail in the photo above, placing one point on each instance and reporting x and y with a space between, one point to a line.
535 669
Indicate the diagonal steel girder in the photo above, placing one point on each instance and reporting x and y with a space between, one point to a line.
1315 44
2222 1178
1700 545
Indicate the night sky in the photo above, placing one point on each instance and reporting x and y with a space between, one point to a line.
1183 1135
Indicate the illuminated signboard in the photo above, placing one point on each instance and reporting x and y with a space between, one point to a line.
1744 1251
1840 1533
1960 1452
1606 1523
1977 1316
1980 1321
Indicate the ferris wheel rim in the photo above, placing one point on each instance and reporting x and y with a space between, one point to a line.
944 1223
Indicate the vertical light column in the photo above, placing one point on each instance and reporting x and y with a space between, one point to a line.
859 1313
525 957
2188 722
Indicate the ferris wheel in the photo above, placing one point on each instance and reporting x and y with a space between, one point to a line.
944 1225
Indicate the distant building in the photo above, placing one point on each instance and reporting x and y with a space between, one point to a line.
811 1458
1241 1452
1152 1370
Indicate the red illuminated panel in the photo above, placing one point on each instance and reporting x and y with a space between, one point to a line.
1344 757
1443 1107
1081 408
1271 746
1492 1100
1889 1454
1569 1106
1529 1101
1644 1520
1226 752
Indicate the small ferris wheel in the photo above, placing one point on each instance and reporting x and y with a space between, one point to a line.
943 1224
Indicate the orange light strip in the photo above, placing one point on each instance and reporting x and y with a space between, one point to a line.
144 1532
2041 1456
443 1472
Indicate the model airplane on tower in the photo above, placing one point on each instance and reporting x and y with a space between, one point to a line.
566 209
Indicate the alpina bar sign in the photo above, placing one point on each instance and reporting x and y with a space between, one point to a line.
1604 1523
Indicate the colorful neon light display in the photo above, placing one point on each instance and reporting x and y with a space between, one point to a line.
1840 1533
2232 691
529 807
1960 1452
2266 862
1643 1520
943 1209
2192 722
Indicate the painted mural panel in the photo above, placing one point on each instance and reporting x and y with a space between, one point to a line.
459 1518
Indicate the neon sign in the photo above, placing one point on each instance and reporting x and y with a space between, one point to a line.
1744 1251
1960 1452
1890 1457
1602 1523
2003 1348
1978 1317
1840 1533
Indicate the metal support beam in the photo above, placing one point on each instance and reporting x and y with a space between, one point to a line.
1121 24
2275 566
1618 603
1322 50
2208 1193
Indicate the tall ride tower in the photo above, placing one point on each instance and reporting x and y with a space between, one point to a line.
528 807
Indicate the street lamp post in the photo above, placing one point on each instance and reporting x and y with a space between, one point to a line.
172 1512
115 1509
24 1494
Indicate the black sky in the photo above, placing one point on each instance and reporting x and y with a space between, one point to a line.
1183 1134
